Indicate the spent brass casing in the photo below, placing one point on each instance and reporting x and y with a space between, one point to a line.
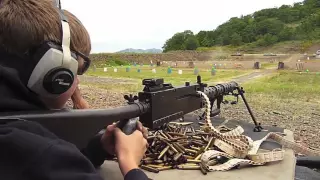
164 168
182 123
195 148
184 167
201 123
192 129
170 152
150 137
157 162
191 151
204 139
177 156
198 143
189 164
163 135
155 166
193 161
200 151
163 152
175 134
147 168
209 143
178 138
185 131
197 137
168 135
147 161
181 147
178 147
198 157
188 157
170 145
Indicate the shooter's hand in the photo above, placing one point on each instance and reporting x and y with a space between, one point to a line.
129 149
108 138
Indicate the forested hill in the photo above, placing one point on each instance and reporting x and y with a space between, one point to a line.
300 21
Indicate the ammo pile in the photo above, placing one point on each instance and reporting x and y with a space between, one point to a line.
177 146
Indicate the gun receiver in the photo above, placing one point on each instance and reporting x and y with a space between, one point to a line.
168 103
156 105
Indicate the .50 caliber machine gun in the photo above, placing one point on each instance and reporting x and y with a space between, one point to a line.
158 104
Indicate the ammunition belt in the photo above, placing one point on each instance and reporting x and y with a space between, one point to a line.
237 150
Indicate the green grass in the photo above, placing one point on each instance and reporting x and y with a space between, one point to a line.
174 78
268 65
286 84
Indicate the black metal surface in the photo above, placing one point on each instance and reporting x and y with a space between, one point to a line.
220 89
304 173
128 126
257 127
309 161
169 104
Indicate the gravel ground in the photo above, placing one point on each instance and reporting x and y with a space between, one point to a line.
300 117
98 79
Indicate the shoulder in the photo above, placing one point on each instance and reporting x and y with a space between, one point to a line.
25 126
49 155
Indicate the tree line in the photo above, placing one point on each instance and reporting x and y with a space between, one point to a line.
300 21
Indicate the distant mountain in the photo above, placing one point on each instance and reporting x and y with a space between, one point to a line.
131 50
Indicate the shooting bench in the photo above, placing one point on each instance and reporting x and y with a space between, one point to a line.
282 170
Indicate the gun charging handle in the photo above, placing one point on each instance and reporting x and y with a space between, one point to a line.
128 126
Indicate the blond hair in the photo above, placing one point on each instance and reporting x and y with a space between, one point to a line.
25 24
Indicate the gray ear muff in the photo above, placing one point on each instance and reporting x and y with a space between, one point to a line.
56 66
58 81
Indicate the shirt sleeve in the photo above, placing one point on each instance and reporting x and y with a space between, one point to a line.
61 161
95 152
135 174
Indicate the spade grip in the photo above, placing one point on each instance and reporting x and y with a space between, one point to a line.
128 126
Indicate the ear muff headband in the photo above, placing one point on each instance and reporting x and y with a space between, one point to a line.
65 36
66 61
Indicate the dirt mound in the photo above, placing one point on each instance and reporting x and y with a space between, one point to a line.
313 49
147 58
179 56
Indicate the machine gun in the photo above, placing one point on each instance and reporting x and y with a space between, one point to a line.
158 104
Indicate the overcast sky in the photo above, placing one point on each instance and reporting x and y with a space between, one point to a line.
119 24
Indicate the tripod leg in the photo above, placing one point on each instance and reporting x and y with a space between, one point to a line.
258 127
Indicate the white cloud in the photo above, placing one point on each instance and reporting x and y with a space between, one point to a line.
118 24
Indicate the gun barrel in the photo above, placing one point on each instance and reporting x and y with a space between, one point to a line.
124 112
220 89
78 126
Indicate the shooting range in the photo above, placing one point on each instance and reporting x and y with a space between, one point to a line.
196 90
253 71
